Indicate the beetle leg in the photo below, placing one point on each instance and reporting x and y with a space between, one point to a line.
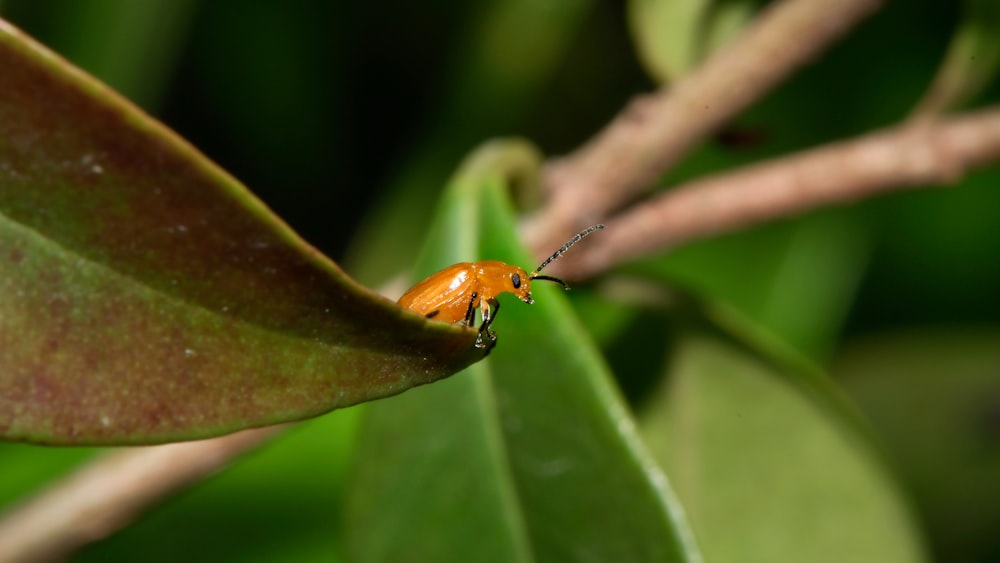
470 313
490 308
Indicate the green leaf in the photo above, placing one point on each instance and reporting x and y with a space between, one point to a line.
131 46
768 460
725 20
530 455
971 62
149 297
674 36
933 395
667 34
793 278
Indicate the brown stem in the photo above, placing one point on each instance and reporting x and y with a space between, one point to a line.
656 130
921 154
107 494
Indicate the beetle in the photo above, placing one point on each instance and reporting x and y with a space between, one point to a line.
453 294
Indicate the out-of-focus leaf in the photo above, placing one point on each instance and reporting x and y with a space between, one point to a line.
668 34
816 277
768 461
137 46
149 297
527 456
673 36
726 18
972 60
934 398
276 504
794 279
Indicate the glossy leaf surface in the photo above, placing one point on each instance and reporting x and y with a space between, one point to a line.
149 297
530 455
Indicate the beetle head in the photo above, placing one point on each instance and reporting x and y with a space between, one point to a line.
520 282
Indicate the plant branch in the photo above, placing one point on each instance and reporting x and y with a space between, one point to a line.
656 130
921 154
108 493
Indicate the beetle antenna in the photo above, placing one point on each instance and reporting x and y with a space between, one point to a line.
564 248
551 279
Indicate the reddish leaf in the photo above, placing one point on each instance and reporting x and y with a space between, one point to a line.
146 296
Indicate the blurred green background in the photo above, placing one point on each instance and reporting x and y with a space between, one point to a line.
348 118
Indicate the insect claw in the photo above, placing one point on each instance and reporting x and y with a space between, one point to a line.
488 343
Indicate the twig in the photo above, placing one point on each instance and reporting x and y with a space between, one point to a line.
107 494
656 130
917 155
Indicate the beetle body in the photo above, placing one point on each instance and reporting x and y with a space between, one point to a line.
453 294
447 295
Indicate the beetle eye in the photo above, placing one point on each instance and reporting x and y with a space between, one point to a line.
517 280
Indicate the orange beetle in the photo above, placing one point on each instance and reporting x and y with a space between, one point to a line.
454 293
